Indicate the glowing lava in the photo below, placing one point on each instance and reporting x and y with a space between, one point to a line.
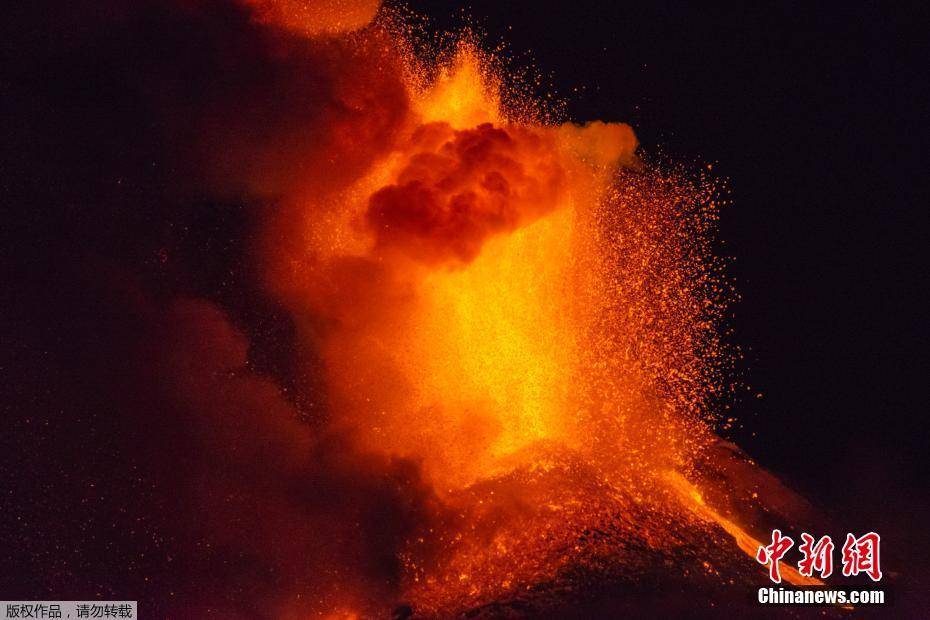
528 313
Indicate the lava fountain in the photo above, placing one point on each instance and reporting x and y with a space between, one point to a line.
527 312
353 326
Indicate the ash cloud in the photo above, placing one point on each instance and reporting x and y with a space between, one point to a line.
460 187
161 440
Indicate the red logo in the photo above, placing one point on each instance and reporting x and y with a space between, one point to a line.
773 553
817 557
860 555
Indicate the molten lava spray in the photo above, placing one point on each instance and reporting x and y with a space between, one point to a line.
390 333
523 310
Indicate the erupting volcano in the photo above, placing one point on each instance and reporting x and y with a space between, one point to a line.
525 313
455 354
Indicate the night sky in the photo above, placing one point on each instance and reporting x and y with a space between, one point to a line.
816 118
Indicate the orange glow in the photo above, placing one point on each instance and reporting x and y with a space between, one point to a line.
311 17
524 311
463 94
691 497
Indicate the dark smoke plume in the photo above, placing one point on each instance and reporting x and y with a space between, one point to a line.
167 448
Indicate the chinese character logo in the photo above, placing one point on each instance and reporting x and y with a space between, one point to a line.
773 553
861 555
817 557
